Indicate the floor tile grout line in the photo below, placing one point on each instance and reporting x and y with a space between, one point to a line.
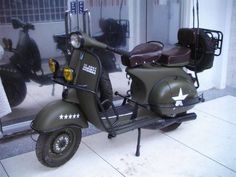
4 169
218 118
234 171
103 159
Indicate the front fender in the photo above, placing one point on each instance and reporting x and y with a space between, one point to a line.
57 115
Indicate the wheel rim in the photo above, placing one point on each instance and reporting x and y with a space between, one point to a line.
60 143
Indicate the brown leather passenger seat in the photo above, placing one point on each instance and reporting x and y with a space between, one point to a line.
175 56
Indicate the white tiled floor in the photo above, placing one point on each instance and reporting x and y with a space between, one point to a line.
224 109
2 171
200 148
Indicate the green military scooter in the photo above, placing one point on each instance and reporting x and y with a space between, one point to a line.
160 95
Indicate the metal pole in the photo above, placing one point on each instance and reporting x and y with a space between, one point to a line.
77 14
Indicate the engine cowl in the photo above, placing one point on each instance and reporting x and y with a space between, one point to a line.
172 96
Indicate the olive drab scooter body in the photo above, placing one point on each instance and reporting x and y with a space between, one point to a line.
160 95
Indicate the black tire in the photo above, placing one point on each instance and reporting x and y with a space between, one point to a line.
173 126
167 128
170 127
15 89
105 89
56 148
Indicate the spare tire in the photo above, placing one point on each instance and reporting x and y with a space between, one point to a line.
205 54
105 89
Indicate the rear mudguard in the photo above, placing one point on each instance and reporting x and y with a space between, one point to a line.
58 115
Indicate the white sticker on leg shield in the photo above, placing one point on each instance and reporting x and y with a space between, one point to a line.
89 69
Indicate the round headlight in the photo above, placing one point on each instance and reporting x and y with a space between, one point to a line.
75 40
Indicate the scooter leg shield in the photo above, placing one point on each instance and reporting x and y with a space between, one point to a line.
57 115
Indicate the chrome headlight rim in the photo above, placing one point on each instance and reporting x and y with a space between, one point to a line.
76 40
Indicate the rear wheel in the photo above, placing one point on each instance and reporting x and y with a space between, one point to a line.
168 128
15 89
174 125
56 148
171 127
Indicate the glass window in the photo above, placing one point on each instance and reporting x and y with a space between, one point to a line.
163 20
31 10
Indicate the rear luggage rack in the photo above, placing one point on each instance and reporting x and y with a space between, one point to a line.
217 38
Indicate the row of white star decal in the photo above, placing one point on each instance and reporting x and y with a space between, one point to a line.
69 116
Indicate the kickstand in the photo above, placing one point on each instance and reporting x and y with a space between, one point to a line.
138 143
53 89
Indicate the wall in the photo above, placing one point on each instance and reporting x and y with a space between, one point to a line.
43 35
214 14
231 73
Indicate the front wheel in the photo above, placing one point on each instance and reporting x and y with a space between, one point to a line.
56 148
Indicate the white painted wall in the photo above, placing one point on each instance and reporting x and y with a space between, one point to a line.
214 14
43 35
231 73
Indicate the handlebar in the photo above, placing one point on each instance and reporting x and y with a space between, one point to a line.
16 23
91 42
119 51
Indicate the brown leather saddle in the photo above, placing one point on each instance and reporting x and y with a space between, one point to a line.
175 56
152 52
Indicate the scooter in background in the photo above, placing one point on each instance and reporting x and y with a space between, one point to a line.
24 65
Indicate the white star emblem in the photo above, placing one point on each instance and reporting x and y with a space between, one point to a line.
61 116
179 99
78 115
66 116
70 116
